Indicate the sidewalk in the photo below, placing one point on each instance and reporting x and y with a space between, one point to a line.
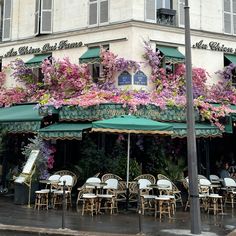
18 218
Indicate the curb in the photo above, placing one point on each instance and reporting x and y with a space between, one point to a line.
51 231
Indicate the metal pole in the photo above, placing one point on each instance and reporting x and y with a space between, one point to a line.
139 213
128 157
127 173
63 205
191 137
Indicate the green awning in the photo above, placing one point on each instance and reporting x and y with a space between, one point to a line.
64 131
91 56
37 60
228 120
20 119
131 124
203 130
231 58
171 54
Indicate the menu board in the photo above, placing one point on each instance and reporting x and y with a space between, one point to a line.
30 162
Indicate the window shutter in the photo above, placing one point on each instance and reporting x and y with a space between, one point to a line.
227 23
181 12
46 17
234 6
150 11
36 19
227 5
7 11
234 24
93 12
103 11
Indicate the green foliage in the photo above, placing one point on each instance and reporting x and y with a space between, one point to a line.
92 161
164 157
118 162
2 144
174 169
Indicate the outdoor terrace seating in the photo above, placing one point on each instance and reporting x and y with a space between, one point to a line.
52 195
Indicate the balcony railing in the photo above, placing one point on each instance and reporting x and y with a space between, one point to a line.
166 16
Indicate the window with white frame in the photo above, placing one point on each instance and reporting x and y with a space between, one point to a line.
159 11
164 4
6 23
98 12
230 16
43 17
181 12
96 68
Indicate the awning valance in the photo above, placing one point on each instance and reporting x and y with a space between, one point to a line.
37 60
64 131
20 119
203 130
231 58
171 54
91 56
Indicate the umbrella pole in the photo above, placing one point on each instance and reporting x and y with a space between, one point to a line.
127 173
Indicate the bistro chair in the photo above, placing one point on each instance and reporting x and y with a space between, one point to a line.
146 200
67 172
41 199
162 206
215 203
53 186
176 192
149 177
110 176
107 201
144 180
58 194
87 189
88 195
230 187
215 179
90 203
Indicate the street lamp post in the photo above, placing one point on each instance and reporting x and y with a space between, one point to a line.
191 137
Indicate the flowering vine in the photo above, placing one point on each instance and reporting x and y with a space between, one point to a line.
65 83
112 64
45 159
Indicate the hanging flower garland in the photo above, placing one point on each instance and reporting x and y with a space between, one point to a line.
65 83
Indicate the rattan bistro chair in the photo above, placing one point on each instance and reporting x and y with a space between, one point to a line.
58 194
230 195
147 200
107 200
175 190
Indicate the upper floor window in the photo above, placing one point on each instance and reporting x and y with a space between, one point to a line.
160 11
98 12
181 12
43 17
6 24
230 16
170 57
163 4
